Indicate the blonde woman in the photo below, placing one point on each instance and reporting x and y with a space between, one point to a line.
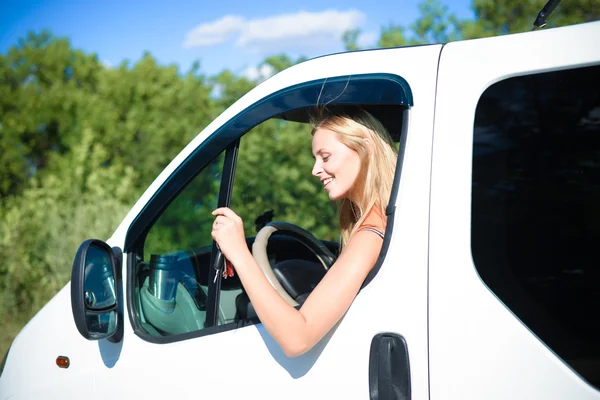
355 160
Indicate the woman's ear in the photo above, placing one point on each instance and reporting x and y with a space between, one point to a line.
368 146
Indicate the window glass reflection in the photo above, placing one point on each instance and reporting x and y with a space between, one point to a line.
101 324
99 284
535 196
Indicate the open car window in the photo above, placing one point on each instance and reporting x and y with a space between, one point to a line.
259 163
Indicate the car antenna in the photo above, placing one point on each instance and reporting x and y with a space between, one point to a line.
542 17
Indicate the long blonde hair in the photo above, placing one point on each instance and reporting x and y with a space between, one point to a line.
378 162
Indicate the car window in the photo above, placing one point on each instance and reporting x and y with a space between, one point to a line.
264 175
171 282
273 182
535 213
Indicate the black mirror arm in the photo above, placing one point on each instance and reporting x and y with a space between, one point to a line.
118 258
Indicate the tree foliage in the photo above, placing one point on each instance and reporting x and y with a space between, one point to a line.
499 17
79 142
42 227
41 82
436 24
350 39
275 159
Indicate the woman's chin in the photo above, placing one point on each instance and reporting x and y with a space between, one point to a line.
335 196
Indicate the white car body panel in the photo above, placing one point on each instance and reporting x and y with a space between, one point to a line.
236 355
498 356
31 369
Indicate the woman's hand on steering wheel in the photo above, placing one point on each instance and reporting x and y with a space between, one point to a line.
228 232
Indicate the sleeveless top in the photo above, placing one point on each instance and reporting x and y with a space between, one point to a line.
371 229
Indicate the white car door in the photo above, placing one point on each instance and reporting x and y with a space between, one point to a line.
155 360
514 288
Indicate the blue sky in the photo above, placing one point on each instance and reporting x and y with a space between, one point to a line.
231 34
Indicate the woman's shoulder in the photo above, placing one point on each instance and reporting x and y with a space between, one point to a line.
375 221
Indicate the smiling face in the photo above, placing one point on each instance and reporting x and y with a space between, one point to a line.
336 165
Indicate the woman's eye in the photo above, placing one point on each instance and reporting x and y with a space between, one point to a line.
325 158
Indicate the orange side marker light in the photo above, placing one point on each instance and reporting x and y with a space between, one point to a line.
62 362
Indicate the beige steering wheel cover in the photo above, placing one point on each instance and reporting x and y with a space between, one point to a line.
259 252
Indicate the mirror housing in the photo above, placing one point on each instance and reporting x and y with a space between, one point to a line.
95 291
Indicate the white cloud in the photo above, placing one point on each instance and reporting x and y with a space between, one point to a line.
367 40
107 64
214 32
330 23
260 73
303 29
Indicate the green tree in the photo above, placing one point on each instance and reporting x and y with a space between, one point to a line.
41 81
142 115
279 62
79 143
146 114
392 36
435 25
499 17
350 39
41 228
229 88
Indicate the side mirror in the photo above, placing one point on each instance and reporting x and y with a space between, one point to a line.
94 291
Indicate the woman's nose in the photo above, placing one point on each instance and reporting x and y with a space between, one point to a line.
316 168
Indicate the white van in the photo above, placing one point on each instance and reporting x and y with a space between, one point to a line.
487 286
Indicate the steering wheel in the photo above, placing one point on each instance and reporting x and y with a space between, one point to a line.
259 252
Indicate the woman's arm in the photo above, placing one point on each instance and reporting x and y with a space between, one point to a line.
297 331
